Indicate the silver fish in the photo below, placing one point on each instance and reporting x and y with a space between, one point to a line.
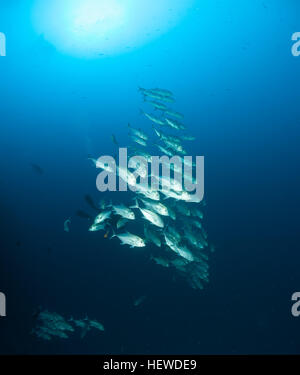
121 223
174 124
154 119
152 236
175 114
130 239
96 227
158 207
103 216
139 133
123 211
138 140
151 216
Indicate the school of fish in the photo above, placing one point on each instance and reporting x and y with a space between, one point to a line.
166 222
51 325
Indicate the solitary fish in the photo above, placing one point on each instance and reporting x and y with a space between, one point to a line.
139 301
83 214
67 224
37 169
114 139
90 202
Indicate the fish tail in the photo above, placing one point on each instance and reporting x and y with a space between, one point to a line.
92 160
114 234
136 205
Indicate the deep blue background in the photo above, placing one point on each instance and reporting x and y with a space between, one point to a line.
235 79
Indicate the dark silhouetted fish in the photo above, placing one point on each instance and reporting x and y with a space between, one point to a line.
37 169
114 139
90 202
83 214
139 301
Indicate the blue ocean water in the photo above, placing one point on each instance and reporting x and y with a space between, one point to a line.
235 79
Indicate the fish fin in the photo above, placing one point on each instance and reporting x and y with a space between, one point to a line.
94 162
114 233
136 204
